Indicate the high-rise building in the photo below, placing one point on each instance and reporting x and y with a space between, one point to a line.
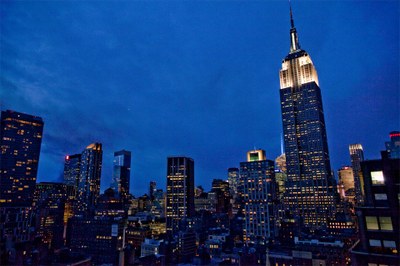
233 180
180 192
20 140
122 173
309 186
393 146
357 156
89 179
72 170
152 189
259 191
346 180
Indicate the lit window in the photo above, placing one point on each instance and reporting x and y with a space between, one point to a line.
389 244
380 196
386 223
374 243
372 223
377 178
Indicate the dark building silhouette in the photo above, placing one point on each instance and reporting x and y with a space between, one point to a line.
49 203
180 192
310 190
378 217
122 173
393 146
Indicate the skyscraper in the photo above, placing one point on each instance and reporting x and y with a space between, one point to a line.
393 146
20 139
72 170
309 185
259 191
122 173
180 192
357 156
89 179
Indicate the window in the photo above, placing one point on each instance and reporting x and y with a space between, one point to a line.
377 178
389 244
372 222
374 243
386 223
380 196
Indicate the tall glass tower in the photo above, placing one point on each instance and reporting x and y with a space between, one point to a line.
122 173
309 189
89 179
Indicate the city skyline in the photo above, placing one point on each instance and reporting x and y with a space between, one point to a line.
212 104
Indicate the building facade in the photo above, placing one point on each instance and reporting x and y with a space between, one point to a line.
89 178
378 217
20 141
309 188
180 192
259 190
122 173
393 146
356 157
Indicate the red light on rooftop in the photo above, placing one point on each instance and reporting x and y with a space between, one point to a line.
394 135
67 157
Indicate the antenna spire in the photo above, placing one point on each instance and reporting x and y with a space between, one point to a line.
294 41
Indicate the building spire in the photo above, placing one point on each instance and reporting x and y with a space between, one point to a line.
294 41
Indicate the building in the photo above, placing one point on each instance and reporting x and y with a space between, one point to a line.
309 188
49 202
357 156
378 217
233 180
393 146
20 140
89 179
150 247
72 170
122 173
346 181
259 188
180 192
98 237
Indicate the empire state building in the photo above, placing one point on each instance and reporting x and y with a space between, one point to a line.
309 186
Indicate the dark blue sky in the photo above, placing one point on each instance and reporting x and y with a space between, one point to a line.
194 78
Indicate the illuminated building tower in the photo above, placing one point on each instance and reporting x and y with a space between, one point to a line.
346 179
357 156
89 180
309 186
393 146
122 173
152 189
259 195
233 180
20 139
180 192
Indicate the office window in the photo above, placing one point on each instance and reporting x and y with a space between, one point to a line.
372 222
386 223
377 178
374 243
380 196
389 244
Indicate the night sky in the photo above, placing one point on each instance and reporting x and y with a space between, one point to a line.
194 78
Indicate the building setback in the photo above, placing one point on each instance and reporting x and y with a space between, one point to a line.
309 188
